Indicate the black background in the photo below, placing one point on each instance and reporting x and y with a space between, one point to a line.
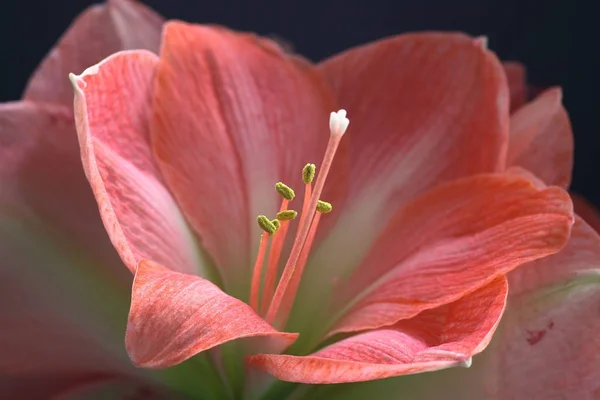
557 40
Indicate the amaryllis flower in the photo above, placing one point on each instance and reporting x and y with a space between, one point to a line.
407 274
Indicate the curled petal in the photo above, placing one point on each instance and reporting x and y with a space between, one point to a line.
97 33
112 111
440 338
450 241
174 316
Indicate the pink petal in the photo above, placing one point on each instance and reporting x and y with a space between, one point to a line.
174 316
440 338
541 139
233 116
41 176
112 109
56 262
449 242
96 33
59 310
516 76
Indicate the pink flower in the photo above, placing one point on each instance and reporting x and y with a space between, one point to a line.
201 135
437 192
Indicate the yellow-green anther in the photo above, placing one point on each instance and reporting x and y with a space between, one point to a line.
308 173
276 223
286 215
324 207
266 224
285 191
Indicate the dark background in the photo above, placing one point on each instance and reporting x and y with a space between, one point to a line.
557 40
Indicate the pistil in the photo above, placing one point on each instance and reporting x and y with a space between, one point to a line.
338 124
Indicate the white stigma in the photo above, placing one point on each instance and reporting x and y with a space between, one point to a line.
338 123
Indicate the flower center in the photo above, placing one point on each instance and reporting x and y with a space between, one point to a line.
275 304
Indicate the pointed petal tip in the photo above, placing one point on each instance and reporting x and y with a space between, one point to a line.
128 110
552 95
97 32
466 363
556 90
76 82
541 138
482 41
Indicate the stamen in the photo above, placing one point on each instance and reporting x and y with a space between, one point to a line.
338 124
266 224
272 268
308 173
273 261
257 272
286 215
269 227
285 191
307 196
324 207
